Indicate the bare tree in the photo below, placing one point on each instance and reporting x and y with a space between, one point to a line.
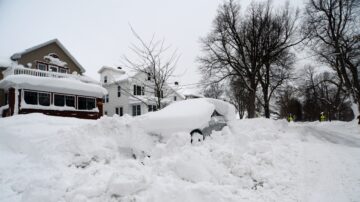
323 92
214 90
231 49
288 103
252 48
238 95
277 39
332 27
153 59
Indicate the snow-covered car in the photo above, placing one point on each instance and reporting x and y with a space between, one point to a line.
199 117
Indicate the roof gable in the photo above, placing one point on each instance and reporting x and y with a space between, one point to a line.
17 56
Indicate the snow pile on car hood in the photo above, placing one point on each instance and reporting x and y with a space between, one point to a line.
185 116
224 108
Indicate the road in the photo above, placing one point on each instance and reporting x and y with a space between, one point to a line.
330 163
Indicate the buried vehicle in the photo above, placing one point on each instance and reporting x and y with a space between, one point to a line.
199 117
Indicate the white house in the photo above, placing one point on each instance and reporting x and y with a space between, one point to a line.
132 93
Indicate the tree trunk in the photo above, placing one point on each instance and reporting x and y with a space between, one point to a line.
251 104
267 108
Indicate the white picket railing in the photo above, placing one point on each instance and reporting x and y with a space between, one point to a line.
41 73
36 72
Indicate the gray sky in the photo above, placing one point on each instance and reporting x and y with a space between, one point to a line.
97 32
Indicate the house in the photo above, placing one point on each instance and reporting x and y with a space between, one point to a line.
47 79
132 93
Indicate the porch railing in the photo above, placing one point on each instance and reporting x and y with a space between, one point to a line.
41 73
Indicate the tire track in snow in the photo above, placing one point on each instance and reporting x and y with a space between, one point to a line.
331 166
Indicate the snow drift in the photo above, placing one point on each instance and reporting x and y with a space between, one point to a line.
44 158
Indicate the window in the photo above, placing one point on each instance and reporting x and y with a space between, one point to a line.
44 99
106 98
148 76
105 79
64 100
175 98
41 66
59 100
31 98
152 108
119 111
36 98
6 97
70 101
86 103
138 90
62 70
53 68
119 91
136 110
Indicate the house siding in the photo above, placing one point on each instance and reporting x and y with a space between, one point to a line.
38 55
115 101
127 92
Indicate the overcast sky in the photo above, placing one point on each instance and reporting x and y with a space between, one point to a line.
97 32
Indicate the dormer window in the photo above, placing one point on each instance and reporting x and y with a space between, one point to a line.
105 79
53 68
62 70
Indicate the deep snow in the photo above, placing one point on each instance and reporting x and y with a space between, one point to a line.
44 158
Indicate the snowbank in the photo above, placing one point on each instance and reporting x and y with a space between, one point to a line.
44 158
59 85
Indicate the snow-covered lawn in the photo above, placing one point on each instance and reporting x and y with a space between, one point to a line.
44 158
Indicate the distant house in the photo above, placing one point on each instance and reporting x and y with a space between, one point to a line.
132 93
192 96
47 79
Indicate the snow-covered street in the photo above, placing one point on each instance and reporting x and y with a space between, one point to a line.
331 156
44 158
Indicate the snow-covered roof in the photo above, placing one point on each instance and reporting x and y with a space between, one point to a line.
135 99
17 56
5 63
186 92
111 69
59 85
